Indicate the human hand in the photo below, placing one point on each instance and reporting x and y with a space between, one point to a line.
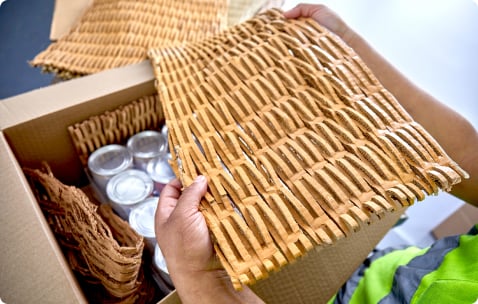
184 239
325 17
181 229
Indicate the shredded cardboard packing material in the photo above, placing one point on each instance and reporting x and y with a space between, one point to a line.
300 143
100 247
115 33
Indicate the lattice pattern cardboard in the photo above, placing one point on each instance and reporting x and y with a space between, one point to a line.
116 126
300 142
115 33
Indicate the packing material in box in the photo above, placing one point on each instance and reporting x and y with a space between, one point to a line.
34 129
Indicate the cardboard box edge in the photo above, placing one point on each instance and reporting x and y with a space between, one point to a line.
16 109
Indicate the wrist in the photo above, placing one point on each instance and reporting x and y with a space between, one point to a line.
212 286
201 286
349 36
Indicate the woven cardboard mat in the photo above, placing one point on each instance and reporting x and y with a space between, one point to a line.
115 33
116 126
300 142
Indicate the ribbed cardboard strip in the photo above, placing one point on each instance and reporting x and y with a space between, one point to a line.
116 126
115 33
317 276
301 144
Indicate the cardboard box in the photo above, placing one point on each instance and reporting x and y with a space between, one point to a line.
34 129
66 15
459 222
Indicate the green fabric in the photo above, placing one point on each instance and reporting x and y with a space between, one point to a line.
455 279
331 301
378 278
449 291
457 276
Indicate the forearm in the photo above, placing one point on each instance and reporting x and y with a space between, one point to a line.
453 132
211 287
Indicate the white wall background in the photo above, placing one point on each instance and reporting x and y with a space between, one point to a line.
435 44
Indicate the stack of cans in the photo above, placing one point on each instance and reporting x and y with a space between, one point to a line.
130 179
125 176
108 161
127 190
145 146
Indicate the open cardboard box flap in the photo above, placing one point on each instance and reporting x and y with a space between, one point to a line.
66 15
34 129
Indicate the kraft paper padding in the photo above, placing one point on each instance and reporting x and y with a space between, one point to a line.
301 144
101 248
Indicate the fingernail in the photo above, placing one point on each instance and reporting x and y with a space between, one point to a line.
200 179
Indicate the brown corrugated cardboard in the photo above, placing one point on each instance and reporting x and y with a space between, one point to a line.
33 269
66 15
459 222
34 129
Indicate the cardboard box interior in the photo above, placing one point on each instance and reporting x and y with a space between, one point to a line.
34 129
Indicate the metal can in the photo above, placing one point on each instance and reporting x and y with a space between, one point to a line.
145 146
108 161
165 133
161 172
141 219
127 189
160 269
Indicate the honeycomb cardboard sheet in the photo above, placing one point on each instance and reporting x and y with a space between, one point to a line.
301 144
114 33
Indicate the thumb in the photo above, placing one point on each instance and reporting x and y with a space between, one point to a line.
191 196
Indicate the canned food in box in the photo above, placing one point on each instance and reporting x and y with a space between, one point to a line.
161 173
141 219
127 189
108 161
145 146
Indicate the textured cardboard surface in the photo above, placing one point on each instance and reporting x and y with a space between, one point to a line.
33 127
325 268
299 151
112 34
